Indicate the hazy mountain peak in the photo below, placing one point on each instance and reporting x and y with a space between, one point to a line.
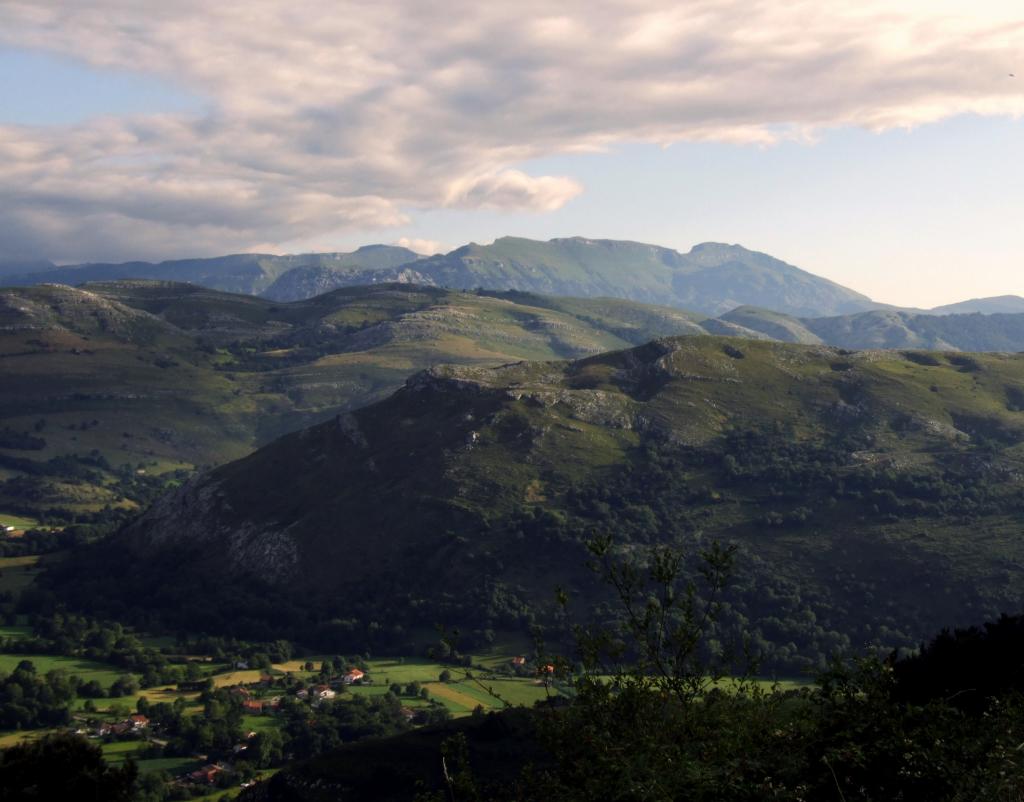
999 304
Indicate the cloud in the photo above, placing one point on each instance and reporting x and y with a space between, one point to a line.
425 247
512 189
340 116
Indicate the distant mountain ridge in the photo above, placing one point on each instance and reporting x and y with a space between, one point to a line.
711 279
890 329
24 267
1001 304
714 279
247 273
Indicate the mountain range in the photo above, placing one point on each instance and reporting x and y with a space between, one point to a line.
421 454
162 375
712 278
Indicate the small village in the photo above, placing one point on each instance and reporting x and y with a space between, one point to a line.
266 699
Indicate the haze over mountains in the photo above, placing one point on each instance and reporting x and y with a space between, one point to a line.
711 278
889 328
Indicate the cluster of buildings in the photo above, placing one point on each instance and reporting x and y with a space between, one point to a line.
133 724
315 694
208 774
519 662
253 705
324 692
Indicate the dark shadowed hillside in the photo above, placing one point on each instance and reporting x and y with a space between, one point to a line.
875 496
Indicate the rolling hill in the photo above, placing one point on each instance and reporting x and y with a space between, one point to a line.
154 376
890 328
1002 304
161 376
874 497
24 267
777 326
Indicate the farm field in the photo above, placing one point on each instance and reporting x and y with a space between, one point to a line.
9 739
85 669
243 677
118 752
15 632
17 521
487 688
459 695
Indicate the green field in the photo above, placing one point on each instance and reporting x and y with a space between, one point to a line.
460 695
117 752
17 521
259 723
26 561
85 669
15 632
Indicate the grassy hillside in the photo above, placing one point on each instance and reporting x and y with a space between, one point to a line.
951 332
889 329
775 325
874 497
110 384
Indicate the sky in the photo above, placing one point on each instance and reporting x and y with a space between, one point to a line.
879 144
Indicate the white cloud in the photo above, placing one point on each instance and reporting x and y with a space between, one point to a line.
426 247
512 189
333 116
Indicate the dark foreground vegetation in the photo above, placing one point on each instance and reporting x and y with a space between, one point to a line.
652 708
851 738
652 718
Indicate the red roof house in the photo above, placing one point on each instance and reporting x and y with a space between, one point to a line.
353 675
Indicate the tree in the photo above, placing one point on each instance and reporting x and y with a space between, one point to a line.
445 676
63 767
125 685
91 690
267 748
